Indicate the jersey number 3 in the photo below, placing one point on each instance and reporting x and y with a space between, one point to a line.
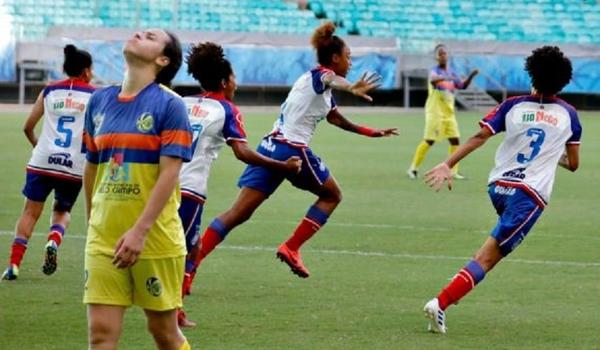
537 135
63 129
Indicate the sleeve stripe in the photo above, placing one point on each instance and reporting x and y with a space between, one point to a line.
180 137
488 126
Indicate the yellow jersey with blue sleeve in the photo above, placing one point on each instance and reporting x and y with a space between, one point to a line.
440 98
126 138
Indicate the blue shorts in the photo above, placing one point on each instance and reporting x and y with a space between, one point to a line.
38 187
311 177
190 213
518 213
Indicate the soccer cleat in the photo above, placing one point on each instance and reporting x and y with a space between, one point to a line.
50 258
412 174
437 316
293 260
11 273
182 320
458 176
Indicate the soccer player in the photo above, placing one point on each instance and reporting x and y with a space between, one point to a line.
440 119
215 120
541 132
56 163
137 135
309 102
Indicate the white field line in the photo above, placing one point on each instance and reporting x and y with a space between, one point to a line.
404 256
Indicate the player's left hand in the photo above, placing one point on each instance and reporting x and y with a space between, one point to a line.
128 248
436 177
367 82
385 132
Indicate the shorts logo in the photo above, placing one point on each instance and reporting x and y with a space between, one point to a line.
61 159
145 122
153 286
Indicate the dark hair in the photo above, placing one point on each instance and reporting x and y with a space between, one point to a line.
208 65
326 43
438 47
76 60
549 70
173 51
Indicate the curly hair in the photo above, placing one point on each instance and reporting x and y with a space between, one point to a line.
76 60
208 65
326 43
550 70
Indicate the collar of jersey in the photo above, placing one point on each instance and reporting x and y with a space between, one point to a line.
126 99
214 95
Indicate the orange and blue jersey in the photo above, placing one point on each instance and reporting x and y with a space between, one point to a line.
126 138
440 99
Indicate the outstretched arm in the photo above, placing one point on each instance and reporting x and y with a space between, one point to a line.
366 83
436 177
34 117
336 118
250 156
570 159
469 79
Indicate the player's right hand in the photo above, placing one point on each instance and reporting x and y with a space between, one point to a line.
436 177
367 82
293 164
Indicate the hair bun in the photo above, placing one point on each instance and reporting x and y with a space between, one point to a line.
323 34
70 49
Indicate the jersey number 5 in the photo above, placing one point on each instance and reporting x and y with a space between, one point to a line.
537 135
63 129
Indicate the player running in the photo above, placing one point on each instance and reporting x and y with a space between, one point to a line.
440 119
215 120
541 132
309 102
56 163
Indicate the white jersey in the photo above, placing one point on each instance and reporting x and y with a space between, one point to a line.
58 152
536 134
309 102
214 121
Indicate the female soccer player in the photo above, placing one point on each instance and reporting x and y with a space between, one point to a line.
541 132
309 102
215 120
57 161
137 135
440 120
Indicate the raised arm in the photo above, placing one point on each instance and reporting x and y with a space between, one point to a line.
366 83
441 173
467 82
250 156
34 117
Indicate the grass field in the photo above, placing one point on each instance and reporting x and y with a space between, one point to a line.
390 246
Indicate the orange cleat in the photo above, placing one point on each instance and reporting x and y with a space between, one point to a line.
182 320
293 260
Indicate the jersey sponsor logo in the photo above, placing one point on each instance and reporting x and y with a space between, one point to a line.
115 181
153 286
61 159
517 173
145 122
196 111
539 117
69 103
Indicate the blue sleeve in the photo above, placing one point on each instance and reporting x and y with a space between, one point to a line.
576 129
175 131
317 79
233 128
333 103
495 121
87 145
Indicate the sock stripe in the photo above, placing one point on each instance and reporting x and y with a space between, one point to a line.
21 241
464 273
317 226
219 227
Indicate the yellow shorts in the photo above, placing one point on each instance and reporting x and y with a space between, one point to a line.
153 284
437 128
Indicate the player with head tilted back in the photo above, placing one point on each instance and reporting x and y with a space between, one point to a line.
215 120
309 102
137 135
542 131
57 161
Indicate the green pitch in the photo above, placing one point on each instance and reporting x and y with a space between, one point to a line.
390 246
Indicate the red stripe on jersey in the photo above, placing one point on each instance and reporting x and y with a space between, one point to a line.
125 140
89 142
179 137
531 192
53 173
